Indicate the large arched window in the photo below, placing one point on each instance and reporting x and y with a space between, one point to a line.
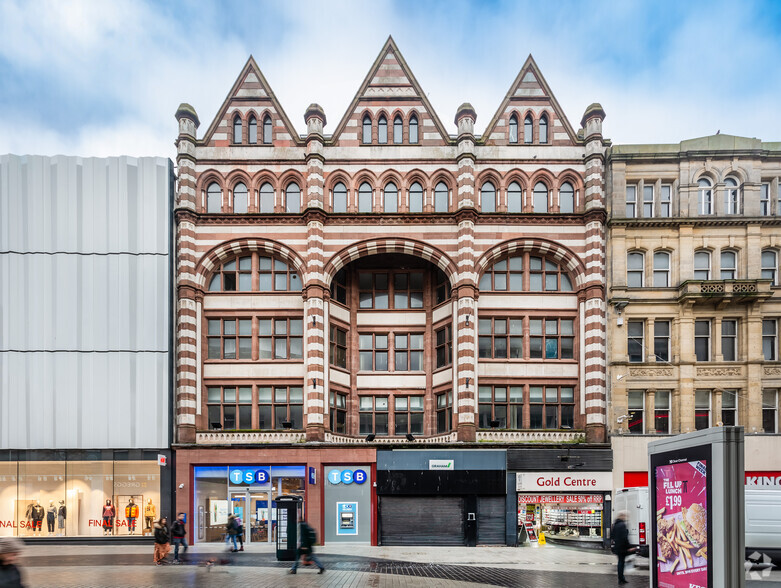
233 276
731 196
398 130
277 275
214 198
488 197
770 266
566 198
367 129
702 265
382 130
510 272
415 198
661 269
267 130
253 130
365 198
441 198
413 129
540 198
528 129
293 198
635 269
340 197
240 200
729 264
544 129
237 129
390 198
513 129
266 198
514 198
705 200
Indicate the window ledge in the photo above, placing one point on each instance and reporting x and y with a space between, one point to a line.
441 438
530 436
246 437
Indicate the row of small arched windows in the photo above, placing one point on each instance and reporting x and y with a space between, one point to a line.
728 267
382 130
241 201
252 130
528 129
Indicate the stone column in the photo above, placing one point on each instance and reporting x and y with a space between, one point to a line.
715 406
314 196
466 364
465 196
650 408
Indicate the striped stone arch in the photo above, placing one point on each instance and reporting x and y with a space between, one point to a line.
545 248
390 245
225 251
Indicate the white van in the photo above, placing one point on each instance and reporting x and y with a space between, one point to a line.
635 502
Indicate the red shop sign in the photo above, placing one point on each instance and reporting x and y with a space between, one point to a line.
559 499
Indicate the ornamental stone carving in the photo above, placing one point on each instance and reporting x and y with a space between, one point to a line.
651 372
719 371
772 371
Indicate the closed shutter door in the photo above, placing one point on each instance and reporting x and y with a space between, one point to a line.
490 520
430 520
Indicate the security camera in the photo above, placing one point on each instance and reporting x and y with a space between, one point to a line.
181 486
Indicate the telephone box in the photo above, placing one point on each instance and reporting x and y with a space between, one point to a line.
288 515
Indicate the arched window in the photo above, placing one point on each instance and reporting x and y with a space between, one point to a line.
237 129
398 128
415 198
635 269
540 198
340 197
391 197
214 198
253 130
240 198
267 130
382 130
729 265
566 198
513 129
276 275
233 276
514 198
731 196
365 198
507 274
661 269
488 198
266 198
547 275
293 198
528 129
770 266
367 129
702 265
544 129
705 201
441 198
413 129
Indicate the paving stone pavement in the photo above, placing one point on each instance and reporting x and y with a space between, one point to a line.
83 566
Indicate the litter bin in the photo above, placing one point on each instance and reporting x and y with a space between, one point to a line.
288 515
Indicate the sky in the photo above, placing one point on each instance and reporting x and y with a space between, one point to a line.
105 77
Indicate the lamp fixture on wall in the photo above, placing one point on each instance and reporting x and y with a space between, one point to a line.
314 382
410 437
314 320
467 320
370 437
467 382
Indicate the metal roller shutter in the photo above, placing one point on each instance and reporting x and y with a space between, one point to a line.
490 520
430 520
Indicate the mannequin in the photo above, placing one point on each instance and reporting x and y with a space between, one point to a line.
51 516
150 513
62 514
108 518
131 514
37 517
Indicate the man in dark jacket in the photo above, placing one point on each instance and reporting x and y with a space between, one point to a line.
621 546
10 548
178 531
307 540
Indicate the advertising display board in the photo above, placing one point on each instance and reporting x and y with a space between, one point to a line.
681 498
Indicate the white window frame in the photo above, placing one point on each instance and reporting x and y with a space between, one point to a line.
631 201
665 338
731 196
702 272
710 406
770 271
764 200
665 201
732 338
635 271
705 197
641 338
663 272
770 336
707 337
726 271
734 393
635 409
774 408
648 201
659 394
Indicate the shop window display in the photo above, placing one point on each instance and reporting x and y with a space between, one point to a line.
568 517
77 498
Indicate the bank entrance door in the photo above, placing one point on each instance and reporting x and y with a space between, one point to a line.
257 515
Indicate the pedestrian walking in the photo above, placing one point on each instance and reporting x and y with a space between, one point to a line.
240 532
621 545
162 540
306 542
178 532
10 576
232 529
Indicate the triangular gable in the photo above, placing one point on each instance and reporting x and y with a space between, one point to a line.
529 93
390 86
251 92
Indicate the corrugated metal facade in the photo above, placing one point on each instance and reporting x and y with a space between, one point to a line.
85 285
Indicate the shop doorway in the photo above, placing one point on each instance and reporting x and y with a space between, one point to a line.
257 514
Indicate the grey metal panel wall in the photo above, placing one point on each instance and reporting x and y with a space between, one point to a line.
558 458
463 459
84 302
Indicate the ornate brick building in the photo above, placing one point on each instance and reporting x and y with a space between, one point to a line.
387 283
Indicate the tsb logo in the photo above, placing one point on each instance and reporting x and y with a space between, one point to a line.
248 476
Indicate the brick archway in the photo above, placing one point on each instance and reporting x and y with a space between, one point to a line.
545 248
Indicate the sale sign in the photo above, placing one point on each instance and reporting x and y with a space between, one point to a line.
682 533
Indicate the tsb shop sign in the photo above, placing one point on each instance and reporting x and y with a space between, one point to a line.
238 476
346 476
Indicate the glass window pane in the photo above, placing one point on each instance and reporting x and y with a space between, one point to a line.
567 394
381 424
500 394
535 416
551 394
213 394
